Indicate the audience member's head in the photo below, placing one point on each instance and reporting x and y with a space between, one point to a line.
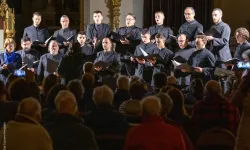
160 80
76 87
19 89
48 83
166 104
137 90
122 82
103 95
212 88
88 81
30 107
34 90
10 79
65 102
171 80
197 88
167 88
88 67
50 99
151 106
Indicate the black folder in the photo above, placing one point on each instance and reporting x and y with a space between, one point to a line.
180 59
52 65
102 64
229 61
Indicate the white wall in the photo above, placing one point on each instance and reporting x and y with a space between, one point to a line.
127 6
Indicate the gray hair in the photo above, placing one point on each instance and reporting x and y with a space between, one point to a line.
65 99
29 107
151 106
103 95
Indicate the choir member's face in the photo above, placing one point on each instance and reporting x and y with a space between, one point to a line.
189 14
200 44
216 16
53 48
160 42
145 38
106 44
26 45
36 20
10 47
81 39
182 41
130 21
97 17
64 22
239 38
159 18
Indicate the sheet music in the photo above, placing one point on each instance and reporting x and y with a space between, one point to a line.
144 53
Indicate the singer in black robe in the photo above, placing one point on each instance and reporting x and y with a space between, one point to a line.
240 49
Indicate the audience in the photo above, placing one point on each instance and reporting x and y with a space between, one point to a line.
25 131
153 133
76 87
67 126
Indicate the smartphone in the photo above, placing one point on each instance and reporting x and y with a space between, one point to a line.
19 73
243 65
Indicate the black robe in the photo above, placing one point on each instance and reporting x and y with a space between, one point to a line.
241 48
89 52
166 31
31 54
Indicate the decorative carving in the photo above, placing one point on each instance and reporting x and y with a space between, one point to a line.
114 10
8 18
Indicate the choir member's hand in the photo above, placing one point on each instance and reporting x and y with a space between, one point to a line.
4 66
98 68
42 45
183 70
209 38
94 41
141 61
198 69
152 61
55 73
66 43
132 59
31 69
125 41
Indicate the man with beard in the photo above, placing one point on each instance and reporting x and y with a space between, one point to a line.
30 57
160 28
184 53
219 38
128 43
192 27
37 33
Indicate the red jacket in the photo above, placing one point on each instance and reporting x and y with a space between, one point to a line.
154 134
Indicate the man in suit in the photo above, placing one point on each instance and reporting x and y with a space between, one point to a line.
97 31
37 33
65 35
241 35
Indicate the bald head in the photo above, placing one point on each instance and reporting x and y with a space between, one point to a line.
213 87
171 80
151 106
65 102
30 107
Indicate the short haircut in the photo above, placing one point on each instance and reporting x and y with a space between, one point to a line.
160 12
218 9
137 90
160 36
191 9
130 14
37 14
203 37
88 80
29 106
145 31
97 12
160 79
103 95
75 86
183 35
81 33
64 16
166 103
88 67
122 82
151 106
16 90
213 87
243 31
9 41
25 39
171 80
62 98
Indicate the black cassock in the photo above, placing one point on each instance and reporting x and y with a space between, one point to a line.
98 31
166 31
33 55
144 71
191 29
183 53
205 59
65 35
241 48
42 70
134 38
89 52
219 46
39 34
107 75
